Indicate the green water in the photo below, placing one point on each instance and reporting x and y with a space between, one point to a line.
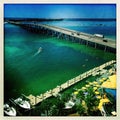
59 61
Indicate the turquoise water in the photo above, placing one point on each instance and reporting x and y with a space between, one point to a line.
29 73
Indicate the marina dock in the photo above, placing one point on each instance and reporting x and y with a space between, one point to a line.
70 35
34 100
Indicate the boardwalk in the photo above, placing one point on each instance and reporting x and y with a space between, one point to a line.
34 100
67 34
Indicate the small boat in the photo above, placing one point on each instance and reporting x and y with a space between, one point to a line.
69 105
10 111
22 103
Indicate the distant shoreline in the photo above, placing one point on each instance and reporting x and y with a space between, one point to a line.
60 19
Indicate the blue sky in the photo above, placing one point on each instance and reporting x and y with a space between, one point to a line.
60 10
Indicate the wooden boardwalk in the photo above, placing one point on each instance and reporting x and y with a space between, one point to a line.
34 100
88 38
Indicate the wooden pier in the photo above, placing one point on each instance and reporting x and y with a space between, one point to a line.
71 35
34 100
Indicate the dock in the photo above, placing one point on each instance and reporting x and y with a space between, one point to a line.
34 100
105 44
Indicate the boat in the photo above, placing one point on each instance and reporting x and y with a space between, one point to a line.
22 103
10 111
69 105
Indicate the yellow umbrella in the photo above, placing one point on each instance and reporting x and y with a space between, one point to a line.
99 97
87 85
97 85
76 92
97 93
90 83
105 100
94 88
101 103
95 82
83 88
110 83
102 80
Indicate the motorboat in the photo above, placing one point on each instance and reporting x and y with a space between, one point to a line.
22 103
69 105
10 111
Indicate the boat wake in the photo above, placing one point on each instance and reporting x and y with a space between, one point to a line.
39 51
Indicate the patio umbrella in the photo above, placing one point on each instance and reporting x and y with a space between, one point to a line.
94 88
97 92
97 85
105 100
95 82
76 92
87 85
83 88
99 97
90 83
101 80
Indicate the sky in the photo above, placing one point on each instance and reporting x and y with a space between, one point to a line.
60 10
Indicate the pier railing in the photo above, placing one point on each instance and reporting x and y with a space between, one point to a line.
34 100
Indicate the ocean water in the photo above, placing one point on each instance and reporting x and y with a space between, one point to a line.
27 71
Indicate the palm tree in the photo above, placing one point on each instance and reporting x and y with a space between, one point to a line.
45 106
91 101
81 110
80 96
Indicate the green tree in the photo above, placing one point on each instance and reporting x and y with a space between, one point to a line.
80 96
65 96
56 107
81 110
45 106
60 105
91 101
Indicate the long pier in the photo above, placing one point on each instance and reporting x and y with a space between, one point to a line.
34 100
71 35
